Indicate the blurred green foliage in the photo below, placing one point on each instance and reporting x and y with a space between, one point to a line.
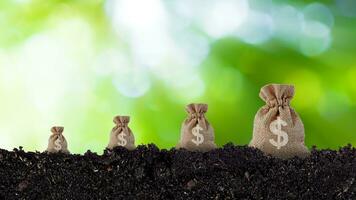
67 63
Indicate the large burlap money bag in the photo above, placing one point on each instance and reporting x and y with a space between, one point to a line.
121 134
57 142
278 130
196 132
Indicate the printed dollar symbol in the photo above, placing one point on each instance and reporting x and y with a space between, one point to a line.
199 136
57 144
276 128
122 141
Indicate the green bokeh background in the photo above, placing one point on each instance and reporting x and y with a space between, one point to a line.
79 63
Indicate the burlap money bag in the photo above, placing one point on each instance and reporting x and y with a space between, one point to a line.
126 139
196 132
278 130
57 142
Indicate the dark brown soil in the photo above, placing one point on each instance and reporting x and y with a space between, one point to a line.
231 172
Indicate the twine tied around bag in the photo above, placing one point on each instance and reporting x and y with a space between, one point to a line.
197 115
121 124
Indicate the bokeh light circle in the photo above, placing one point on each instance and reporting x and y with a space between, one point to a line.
315 38
258 28
288 22
221 18
319 12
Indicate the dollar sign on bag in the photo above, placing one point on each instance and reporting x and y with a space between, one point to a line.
276 128
122 141
57 144
199 137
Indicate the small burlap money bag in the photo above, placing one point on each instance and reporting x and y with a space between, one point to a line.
57 142
277 129
121 134
196 132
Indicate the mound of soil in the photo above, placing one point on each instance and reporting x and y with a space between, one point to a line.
230 172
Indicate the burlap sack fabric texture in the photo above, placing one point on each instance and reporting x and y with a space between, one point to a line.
57 142
196 132
121 134
277 129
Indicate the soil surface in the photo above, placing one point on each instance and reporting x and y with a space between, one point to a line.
230 172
